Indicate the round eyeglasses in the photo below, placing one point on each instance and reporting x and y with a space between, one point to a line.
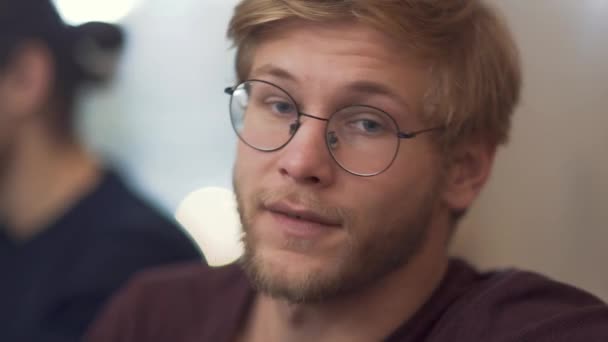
363 140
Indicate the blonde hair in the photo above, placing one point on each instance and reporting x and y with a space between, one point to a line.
473 60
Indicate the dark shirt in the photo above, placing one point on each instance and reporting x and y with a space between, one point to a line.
194 304
53 285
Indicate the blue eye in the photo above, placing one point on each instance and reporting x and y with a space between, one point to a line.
368 126
283 107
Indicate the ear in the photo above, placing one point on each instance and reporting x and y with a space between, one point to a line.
468 168
26 81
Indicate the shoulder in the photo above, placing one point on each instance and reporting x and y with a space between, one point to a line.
115 253
189 298
117 220
119 207
191 278
514 305
530 292
195 282
114 234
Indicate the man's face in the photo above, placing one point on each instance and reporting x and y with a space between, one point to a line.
7 124
312 230
24 88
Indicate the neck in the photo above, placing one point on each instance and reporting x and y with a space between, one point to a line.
370 314
42 179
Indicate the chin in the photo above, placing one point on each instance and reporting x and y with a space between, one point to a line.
290 261
292 276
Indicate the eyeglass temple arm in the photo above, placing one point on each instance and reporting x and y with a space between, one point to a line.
409 135
229 90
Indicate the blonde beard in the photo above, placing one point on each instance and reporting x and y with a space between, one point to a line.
361 262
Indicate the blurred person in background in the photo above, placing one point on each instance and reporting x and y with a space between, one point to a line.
71 232
367 130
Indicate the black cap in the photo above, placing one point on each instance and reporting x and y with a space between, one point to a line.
76 48
31 18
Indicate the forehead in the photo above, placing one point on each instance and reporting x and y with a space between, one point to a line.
330 56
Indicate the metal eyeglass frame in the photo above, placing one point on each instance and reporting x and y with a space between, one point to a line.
297 124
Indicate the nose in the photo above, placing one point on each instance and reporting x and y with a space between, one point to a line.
306 160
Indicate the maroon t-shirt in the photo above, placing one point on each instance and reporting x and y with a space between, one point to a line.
194 303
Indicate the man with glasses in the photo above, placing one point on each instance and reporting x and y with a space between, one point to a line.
367 129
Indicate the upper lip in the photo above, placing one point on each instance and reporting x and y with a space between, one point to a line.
302 213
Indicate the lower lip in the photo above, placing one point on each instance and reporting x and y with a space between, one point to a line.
301 228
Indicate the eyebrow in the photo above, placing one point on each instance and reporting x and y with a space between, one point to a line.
271 70
374 88
360 87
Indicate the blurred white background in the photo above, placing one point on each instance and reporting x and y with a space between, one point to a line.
165 118
165 122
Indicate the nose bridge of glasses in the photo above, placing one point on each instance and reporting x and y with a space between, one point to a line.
313 117
314 135
295 126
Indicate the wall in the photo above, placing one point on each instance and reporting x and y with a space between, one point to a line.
546 207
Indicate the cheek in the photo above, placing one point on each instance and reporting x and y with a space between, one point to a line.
7 130
251 168
383 202
253 164
379 208
246 161
242 171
